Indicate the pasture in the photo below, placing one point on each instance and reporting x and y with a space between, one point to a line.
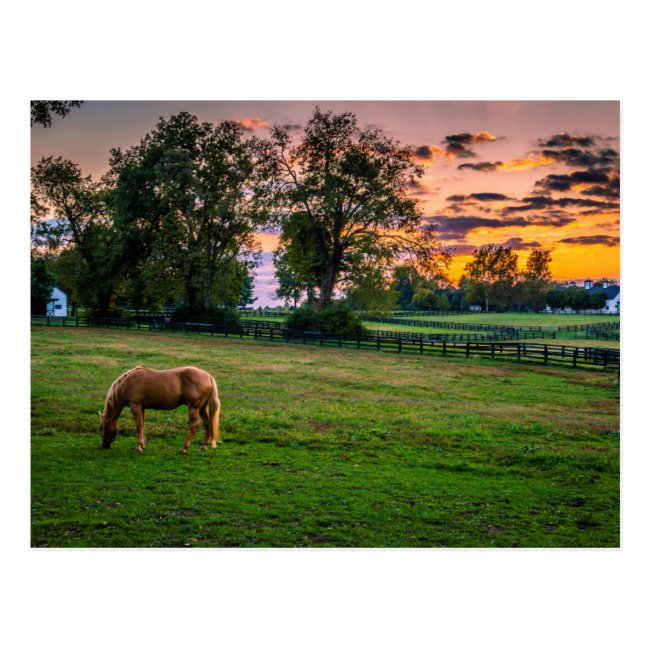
323 447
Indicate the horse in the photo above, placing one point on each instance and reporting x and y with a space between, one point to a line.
142 388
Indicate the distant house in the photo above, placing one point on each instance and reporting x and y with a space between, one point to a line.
613 303
57 305
475 307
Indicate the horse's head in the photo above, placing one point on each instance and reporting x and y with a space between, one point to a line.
108 429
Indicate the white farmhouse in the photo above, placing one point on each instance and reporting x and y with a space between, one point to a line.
613 302
57 305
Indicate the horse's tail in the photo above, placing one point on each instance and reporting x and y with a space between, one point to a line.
214 408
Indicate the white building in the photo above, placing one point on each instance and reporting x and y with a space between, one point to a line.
57 305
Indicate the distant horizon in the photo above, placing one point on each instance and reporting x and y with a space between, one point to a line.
527 175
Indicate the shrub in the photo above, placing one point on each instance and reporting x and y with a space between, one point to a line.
336 319
303 320
214 315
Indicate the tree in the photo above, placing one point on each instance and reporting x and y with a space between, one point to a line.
187 205
425 299
368 288
42 111
247 297
537 279
597 300
492 274
556 299
79 221
340 197
577 298
443 303
42 284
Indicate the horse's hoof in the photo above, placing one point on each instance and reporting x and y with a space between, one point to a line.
182 450
139 449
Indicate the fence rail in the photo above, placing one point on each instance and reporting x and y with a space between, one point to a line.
604 358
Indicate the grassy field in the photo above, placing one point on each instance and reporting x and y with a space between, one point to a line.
324 447
517 319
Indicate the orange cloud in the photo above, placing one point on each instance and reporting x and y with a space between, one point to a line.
252 123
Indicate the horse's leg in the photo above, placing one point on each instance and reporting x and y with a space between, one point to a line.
195 423
138 415
203 412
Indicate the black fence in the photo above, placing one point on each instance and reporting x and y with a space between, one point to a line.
397 342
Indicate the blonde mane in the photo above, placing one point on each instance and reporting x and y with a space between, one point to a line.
111 396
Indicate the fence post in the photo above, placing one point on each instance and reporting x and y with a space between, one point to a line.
399 343
575 357
271 334
421 345
444 346
467 349
545 354
358 341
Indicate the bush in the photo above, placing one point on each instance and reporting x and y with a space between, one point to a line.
338 319
214 315
303 320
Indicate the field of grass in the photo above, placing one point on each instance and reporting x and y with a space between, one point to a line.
324 447
520 319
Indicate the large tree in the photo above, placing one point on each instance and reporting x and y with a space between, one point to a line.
187 204
69 213
537 279
341 197
492 275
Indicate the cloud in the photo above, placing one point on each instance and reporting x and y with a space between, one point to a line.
580 158
251 124
565 140
541 202
592 240
292 127
518 244
479 196
590 182
456 144
510 165
450 227
427 153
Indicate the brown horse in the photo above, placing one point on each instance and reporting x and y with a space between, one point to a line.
142 388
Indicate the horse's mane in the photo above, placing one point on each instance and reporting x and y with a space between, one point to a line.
111 396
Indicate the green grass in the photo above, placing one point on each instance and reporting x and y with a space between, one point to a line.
324 447
517 319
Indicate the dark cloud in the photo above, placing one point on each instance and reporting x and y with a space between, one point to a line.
581 158
591 182
292 127
542 202
518 244
481 167
592 240
457 145
424 152
565 140
460 226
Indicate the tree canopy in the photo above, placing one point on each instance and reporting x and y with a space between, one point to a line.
340 201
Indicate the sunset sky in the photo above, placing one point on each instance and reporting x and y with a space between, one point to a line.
529 175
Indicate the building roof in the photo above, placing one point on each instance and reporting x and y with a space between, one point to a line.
611 292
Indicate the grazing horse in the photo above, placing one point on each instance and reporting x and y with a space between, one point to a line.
142 388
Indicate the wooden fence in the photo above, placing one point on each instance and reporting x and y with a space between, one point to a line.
397 342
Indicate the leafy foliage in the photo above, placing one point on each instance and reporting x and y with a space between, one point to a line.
42 283
42 111
338 318
214 315
340 198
